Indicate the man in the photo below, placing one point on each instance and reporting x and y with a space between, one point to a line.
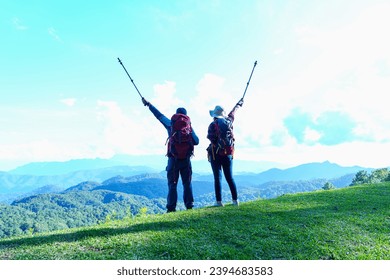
221 150
178 163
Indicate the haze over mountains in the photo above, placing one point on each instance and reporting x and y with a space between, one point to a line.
46 177
151 162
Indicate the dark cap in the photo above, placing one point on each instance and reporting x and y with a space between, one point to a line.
181 111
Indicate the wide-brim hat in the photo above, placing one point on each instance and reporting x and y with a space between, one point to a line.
218 112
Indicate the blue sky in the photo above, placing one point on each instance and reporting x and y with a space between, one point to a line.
318 92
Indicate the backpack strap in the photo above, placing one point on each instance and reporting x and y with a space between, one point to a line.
218 133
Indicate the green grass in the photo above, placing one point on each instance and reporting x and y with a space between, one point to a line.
349 224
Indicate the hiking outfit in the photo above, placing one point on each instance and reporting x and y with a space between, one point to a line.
176 166
221 150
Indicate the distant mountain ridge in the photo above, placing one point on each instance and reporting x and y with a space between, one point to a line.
61 168
155 162
308 171
13 185
10 182
154 186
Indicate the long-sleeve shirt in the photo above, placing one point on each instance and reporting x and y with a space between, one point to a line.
166 122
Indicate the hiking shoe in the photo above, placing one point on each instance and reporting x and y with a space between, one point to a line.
171 210
235 203
218 204
189 206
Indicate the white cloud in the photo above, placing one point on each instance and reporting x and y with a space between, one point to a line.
344 77
278 51
53 33
164 97
336 69
135 133
118 127
44 150
311 135
348 154
69 101
18 24
209 93
343 73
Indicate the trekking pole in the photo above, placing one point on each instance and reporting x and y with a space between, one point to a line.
130 77
247 84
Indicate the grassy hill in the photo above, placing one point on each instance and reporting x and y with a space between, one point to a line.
350 223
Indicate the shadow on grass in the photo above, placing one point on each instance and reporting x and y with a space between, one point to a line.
103 231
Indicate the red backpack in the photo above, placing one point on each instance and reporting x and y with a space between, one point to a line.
180 143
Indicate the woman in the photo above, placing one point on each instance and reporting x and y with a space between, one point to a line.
221 150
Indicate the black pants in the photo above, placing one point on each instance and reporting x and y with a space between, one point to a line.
224 163
176 168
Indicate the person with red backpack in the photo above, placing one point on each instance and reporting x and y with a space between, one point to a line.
180 142
221 150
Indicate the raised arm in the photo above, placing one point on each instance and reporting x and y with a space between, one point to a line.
163 119
233 111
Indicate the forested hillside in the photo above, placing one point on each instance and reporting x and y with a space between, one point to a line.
47 212
91 202
343 224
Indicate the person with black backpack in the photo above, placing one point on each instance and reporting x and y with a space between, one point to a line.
181 141
221 150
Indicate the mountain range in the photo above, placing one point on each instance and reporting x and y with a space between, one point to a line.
155 162
39 203
36 178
